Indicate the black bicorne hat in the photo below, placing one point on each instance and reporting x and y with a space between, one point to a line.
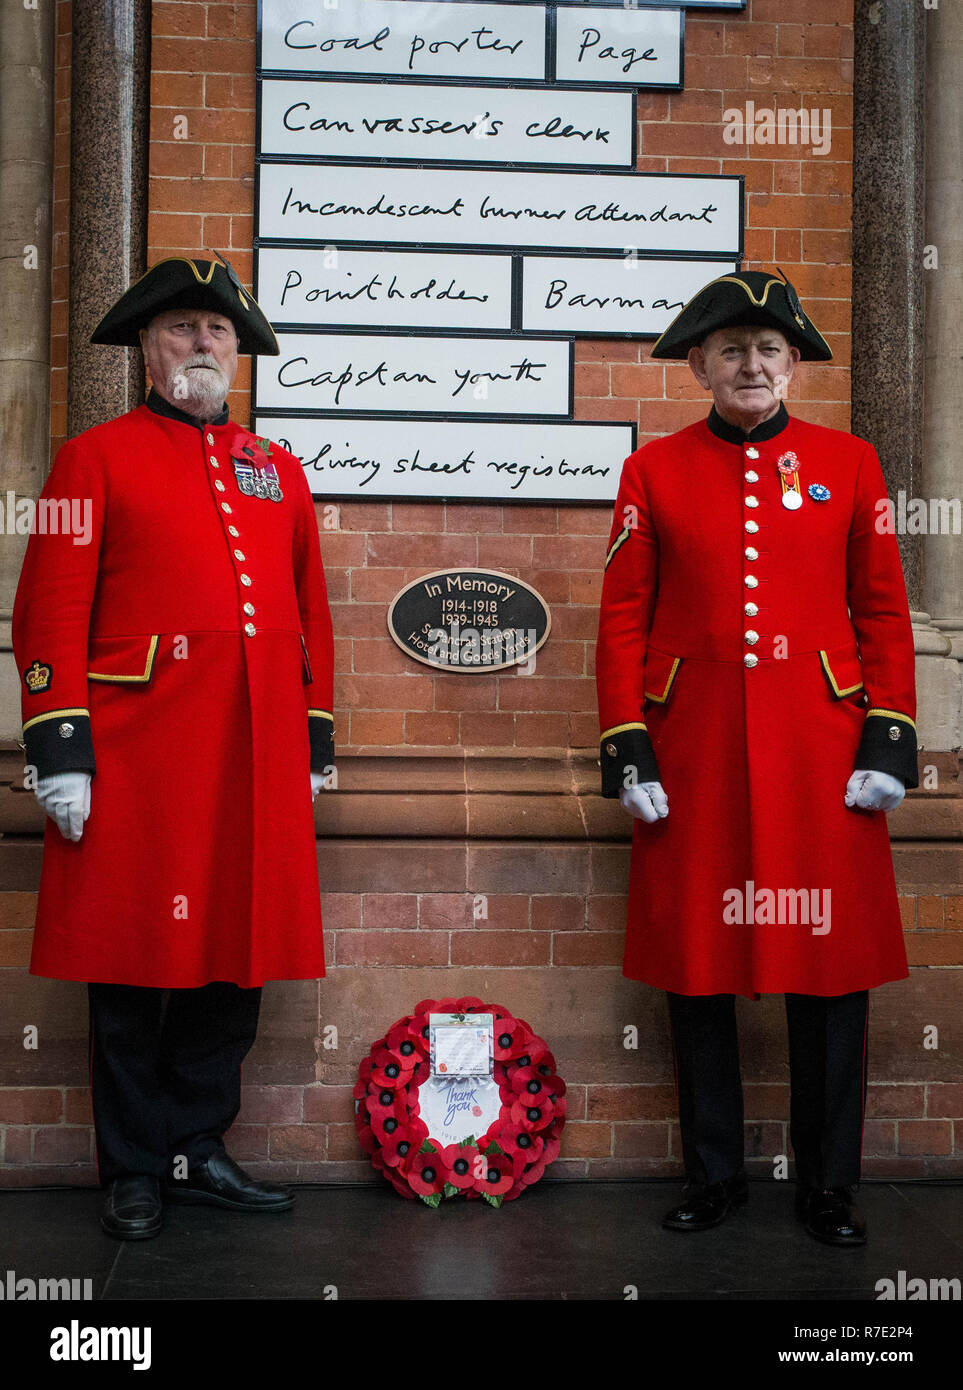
750 297
183 283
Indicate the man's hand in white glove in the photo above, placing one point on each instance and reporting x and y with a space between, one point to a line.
646 802
65 798
318 780
874 791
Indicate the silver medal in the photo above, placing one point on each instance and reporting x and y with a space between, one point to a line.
791 500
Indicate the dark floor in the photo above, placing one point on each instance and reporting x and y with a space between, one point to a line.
578 1241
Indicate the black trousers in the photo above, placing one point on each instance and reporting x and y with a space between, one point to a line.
165 1072
827 1077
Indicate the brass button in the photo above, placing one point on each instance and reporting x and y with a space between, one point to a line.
752 553
751 610
239 555
752 637
218 484
233 531
752 501
752 527
226 507
752 476
65 730
249 609
750 659
250 629
752 453
751 581
245 580
895 732
611 749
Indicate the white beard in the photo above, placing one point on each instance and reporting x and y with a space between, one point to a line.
198 392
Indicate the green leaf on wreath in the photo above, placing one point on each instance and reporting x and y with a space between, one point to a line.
469 1143
431 1201
427 1148
492 1200
494 1149
450 1190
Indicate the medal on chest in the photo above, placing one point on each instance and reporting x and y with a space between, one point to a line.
788 465
253 481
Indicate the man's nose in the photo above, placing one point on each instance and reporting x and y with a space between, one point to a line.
752 362
203 338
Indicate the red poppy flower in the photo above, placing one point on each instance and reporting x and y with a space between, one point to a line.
380 1100
510 1038
548 1155
407 1139
523 1145
390 1070
405 1042
387 1123
459 1161
497 1175
533 1117
426 1173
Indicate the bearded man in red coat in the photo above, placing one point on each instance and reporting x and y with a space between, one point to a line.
756 689
177 689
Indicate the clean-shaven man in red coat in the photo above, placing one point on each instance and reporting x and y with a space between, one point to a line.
756 690
177 688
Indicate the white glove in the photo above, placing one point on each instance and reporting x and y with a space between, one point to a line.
318 780
65 797
646 802
874 791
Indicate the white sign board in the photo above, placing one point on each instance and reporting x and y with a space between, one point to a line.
469 460
307 118
639 47
336 287
584 296
404 38
683 214
416 375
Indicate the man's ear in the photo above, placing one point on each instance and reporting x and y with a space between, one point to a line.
696 359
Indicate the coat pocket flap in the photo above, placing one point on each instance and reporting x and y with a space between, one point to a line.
843 669
122 659
660 673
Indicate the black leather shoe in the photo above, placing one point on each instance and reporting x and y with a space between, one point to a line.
831 1215
133 1208
706 1205
219 1182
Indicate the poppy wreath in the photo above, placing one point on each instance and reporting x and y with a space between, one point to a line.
496 1166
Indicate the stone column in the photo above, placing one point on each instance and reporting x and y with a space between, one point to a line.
943 396
109 135
26 195
889 344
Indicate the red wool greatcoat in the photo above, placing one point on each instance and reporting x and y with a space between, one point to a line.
750 657
185 655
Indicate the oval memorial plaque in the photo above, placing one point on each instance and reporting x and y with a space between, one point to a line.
469 620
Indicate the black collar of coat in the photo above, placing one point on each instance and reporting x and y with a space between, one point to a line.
732 434
161 407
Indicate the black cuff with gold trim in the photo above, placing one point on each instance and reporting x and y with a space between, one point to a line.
321 735
626 758
59 742
888 745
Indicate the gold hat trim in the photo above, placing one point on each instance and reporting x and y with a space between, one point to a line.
759 303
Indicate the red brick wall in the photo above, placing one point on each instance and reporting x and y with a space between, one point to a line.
399 927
